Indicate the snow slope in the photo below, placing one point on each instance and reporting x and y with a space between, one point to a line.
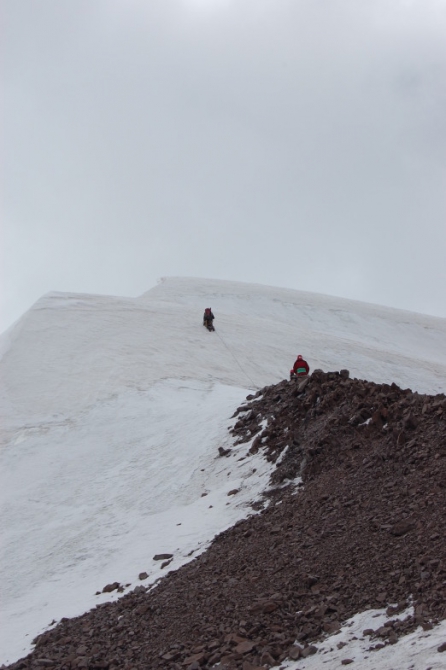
112 410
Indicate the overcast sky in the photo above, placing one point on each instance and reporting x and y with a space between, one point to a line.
296 143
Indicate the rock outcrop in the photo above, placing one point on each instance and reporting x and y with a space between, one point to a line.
354 519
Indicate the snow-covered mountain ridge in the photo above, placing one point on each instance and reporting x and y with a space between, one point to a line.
80 349
112 409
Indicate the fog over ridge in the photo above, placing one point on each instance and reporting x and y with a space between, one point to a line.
295 144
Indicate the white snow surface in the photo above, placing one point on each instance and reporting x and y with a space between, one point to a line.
416 651
112 411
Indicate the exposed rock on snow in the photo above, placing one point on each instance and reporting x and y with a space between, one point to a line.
367 530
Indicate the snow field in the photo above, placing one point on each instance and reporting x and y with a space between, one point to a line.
94 500
113 409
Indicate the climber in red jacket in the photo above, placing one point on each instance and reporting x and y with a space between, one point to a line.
300 368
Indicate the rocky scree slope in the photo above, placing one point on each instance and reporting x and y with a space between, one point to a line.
367 529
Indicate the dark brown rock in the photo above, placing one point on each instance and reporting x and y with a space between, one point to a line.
295 652
308 651
367 528
244 647
411 421
198 658
223 452
249 666
402 528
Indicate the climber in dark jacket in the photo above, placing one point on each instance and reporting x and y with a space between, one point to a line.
208 318
300 368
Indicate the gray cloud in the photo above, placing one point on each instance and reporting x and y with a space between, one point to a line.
299 144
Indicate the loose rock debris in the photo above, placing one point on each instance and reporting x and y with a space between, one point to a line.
366 530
